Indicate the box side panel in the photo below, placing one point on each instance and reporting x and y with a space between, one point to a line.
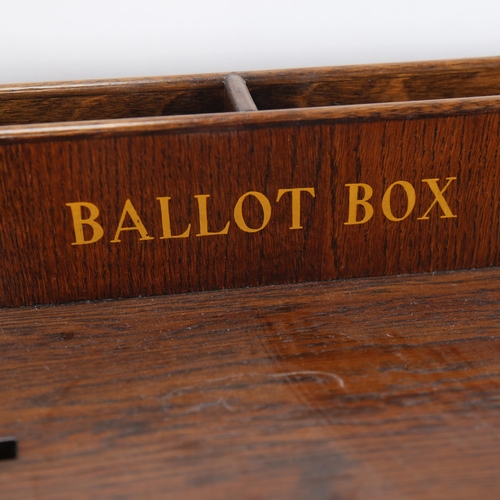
95 218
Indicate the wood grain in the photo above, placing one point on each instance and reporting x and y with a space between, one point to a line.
375 83
226 157
368 388
444 125
110 99
296 88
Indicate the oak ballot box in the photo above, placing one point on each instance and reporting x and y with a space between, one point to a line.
142 187
157 186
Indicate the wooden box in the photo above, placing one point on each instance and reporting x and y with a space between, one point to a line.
375 387
153 186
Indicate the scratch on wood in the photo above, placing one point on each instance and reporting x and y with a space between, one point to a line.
300 373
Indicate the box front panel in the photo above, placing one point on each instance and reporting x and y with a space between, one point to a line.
94 218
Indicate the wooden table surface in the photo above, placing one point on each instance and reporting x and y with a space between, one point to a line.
367 388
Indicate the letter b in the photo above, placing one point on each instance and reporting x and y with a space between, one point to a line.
355 201
79 222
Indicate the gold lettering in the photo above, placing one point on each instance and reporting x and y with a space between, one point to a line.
386 200
238 213
295 203
354 202
138 225
79 222
202 207
439 198
165 220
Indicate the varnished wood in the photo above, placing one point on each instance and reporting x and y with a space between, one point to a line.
312 87
376 83
226 155
368 388
109 100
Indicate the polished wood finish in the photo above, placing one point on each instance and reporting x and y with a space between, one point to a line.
296 88
367 388
44 167
375 387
